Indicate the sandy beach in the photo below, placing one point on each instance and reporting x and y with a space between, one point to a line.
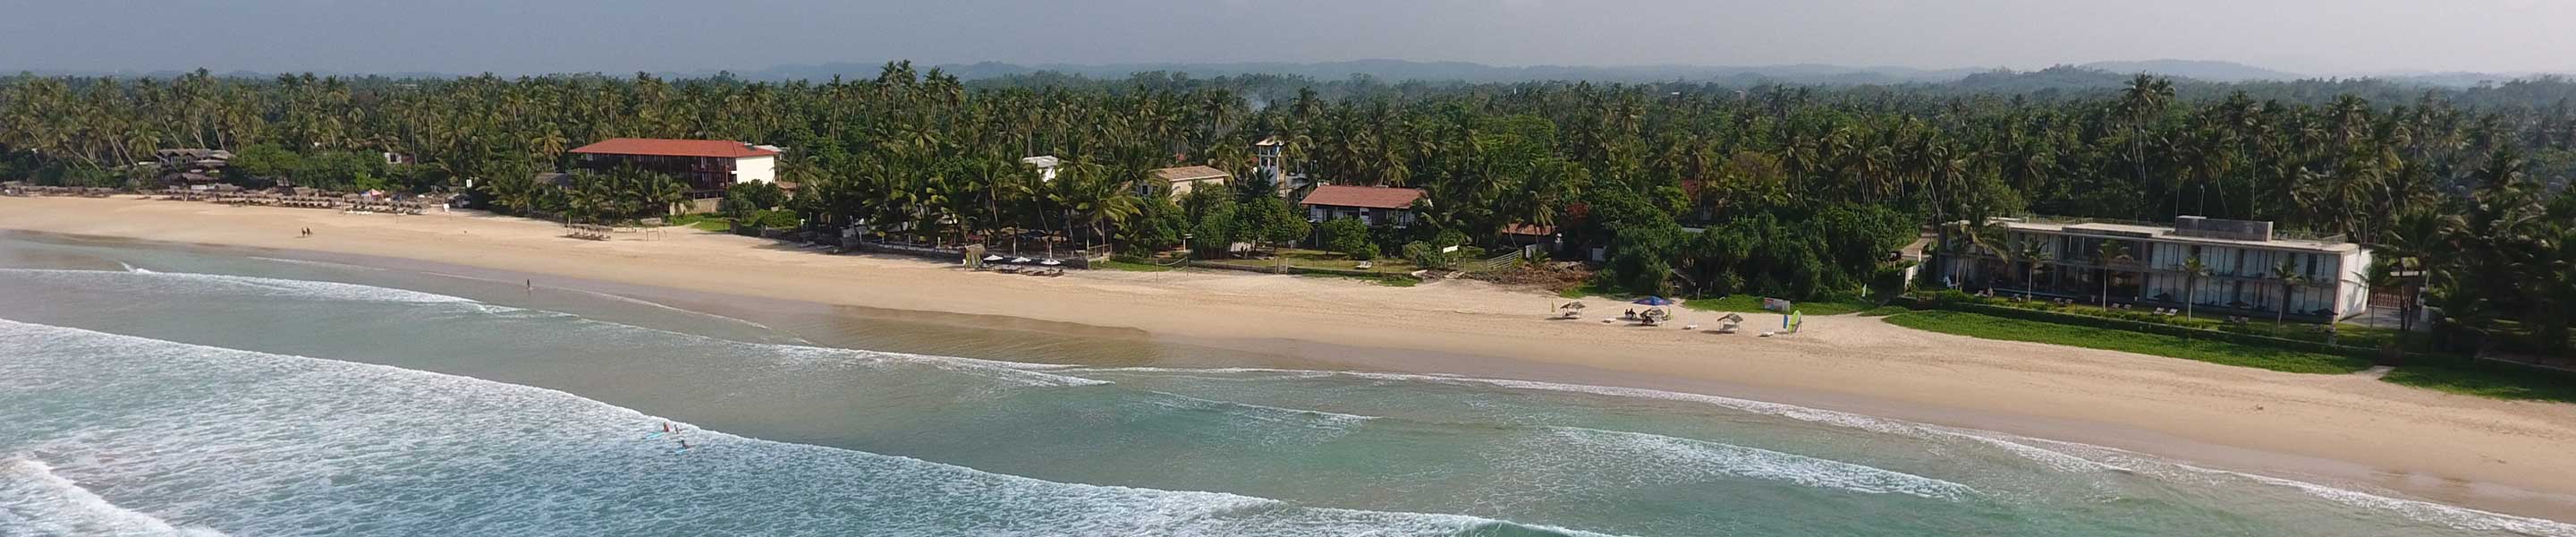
2347 430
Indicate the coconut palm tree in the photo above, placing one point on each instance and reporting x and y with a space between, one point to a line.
2109 250
2192 270
2288 274
2033 253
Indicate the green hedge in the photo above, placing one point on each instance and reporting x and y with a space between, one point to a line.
2027 314
1962 302
1988 326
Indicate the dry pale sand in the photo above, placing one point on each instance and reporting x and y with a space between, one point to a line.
2352 430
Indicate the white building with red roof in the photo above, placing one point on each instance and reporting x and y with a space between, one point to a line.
708 166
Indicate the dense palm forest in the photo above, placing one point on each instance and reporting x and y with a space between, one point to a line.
1695 188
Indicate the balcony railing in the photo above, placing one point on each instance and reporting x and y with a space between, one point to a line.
2278 233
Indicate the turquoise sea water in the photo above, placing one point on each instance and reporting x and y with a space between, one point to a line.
161 392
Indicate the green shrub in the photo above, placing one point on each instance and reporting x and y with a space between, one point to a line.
774 219
1349 237
1424 255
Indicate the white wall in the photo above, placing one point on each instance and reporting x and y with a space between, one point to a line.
2353 292
761 168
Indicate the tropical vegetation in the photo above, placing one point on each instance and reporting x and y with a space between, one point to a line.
1692 189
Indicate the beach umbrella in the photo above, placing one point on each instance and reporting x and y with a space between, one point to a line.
1572 305
1652 301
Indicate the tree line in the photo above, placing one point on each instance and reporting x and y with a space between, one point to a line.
1687 188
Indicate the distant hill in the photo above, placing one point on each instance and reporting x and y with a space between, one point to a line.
1402 70
2205 70
2066 77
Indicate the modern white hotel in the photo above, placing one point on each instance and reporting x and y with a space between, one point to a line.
2147 264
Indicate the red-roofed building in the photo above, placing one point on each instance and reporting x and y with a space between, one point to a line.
708 166
1372 205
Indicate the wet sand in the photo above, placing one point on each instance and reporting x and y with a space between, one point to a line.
2343 430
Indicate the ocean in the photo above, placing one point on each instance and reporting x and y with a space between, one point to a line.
150 390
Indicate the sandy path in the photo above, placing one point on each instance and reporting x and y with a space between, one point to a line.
2516 457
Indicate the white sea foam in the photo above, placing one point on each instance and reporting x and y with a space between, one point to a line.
140 280
309 262
278 445
639 301
1775 409
2447 515
1011 371
2067 458
177 283
35 502
1274 414
1684 457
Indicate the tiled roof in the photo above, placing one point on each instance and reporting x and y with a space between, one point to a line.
1190 173
674 148
1373 197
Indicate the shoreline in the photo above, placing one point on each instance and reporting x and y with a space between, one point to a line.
2350 431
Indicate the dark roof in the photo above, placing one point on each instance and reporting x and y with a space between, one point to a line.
1190 173
1373 197
674 148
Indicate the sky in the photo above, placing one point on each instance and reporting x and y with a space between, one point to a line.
2314 37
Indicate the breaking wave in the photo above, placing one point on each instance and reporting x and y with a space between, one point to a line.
36 502
2066 457
312 446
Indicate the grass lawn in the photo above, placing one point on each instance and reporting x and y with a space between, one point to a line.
704 222
1753 304
1319 259
1883 311
2217 352
1581 291
1388 280
2482 383
1133 267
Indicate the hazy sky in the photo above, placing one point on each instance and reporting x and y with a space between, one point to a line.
523 36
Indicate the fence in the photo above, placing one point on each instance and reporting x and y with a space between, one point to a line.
1292 269
1495 263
